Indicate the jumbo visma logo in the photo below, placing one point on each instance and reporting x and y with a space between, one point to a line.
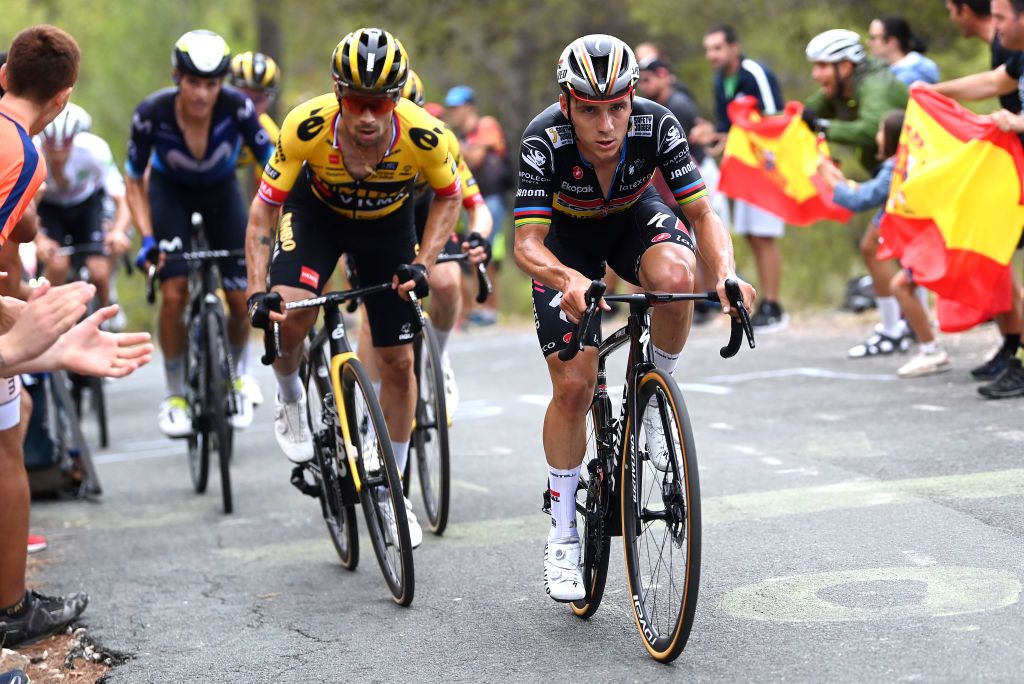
285 234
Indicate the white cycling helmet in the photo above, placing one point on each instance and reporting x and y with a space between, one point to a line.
836 45
201 53
597 67
62 130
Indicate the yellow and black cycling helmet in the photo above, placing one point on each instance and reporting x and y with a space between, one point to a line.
255 71
371 61
201 53
413 89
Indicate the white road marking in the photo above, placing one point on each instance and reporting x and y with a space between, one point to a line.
797 471
918 558
471 486
747 450
721 426
931 408
771 461
802 371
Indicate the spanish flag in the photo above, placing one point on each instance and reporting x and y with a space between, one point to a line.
772 162
954 213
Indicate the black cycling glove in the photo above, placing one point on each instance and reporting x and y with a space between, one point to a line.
477 240
418 274
260 306
816 124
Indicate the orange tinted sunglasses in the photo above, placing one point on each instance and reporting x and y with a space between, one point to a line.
377 104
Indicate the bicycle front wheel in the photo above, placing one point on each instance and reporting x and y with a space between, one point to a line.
218 393
661 516
593 502
330 454
381 487
430 434
197 374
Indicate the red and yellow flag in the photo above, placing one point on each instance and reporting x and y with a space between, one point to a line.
772 162
954 213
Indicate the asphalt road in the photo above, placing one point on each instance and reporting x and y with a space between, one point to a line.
856 528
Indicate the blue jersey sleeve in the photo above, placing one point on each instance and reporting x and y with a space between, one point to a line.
140 142
254 135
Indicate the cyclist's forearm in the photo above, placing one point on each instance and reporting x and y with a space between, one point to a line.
444 213
713 240
480 219
122 215
537 261
259 241
138 205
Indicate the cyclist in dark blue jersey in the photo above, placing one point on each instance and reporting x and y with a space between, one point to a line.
584 200
188 138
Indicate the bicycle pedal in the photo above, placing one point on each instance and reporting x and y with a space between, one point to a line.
298 480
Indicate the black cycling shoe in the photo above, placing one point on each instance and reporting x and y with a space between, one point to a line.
43 616
1009 384
994 367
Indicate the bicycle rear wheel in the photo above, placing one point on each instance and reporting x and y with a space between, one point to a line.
430 435
99 404
323 425
661 519
381 488
218 394
593 500
197 374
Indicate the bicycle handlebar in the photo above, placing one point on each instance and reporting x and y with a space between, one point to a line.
483 281
740 327
199 255
272 335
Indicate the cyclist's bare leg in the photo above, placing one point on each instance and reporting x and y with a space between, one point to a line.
445 296
173 298
565 422
99 268
294 329
238 325
669 268
367 352
57 269
397 390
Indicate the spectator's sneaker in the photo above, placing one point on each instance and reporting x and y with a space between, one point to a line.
925 364
14 677
563 577
252 389
242 417
994 367
769 317
451 390
174 417
391 531
879 344
1009 384
41 617
36 543
483 317
291 431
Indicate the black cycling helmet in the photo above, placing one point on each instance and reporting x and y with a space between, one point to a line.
201 53
597 68
371 61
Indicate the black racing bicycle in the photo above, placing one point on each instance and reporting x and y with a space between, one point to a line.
353 458
430 445
651 499
209 367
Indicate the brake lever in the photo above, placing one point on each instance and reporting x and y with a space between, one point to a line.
271 343
740 322
418 308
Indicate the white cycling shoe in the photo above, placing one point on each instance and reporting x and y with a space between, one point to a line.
244 409
451 390
251 389
174 417
291 431
391 531
563 576
657 446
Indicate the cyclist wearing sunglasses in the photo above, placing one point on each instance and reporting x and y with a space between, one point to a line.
584 201
343 176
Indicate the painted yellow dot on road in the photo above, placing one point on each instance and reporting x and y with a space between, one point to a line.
875 594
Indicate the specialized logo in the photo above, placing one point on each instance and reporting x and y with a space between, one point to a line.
535 158
309 277
660 237
560 136
555 496
577 172
641 126
658 220
285 234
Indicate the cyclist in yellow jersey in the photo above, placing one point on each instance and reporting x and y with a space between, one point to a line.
445 279
343 175
258 76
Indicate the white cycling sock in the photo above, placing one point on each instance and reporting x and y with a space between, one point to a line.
889 312
442 339
289 387
240 355
922 296
174 375
929 347
562 486
401 450
664 360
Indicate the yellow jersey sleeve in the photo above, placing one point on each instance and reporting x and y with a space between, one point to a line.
299 133
470 190
434 157
245 156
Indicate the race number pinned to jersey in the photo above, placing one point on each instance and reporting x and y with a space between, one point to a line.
641 126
